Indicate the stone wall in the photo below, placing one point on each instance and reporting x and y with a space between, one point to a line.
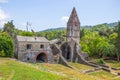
30 55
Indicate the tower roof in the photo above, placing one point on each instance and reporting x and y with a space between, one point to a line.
73 20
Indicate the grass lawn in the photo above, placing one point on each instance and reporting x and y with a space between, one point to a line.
81 67
14 70
73 74
113 64
110 63
99 75
104 75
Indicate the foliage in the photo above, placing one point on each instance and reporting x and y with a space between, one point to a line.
25 33
117 42
9 28
95 44
103 30
50 35
100 61
6 45
82 32
113 37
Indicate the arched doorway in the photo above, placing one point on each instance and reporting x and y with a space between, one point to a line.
68 53
42 58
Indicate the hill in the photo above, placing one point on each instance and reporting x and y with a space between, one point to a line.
113 24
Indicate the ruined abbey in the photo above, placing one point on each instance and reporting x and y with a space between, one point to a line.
39 49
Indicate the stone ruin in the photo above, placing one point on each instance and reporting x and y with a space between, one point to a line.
39 49
70 51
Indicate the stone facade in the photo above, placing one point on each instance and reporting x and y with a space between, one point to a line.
33 49
73 27
72 38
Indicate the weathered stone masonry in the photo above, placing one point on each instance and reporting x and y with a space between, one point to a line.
33 48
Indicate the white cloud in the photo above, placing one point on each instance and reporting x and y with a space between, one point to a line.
3 17
3 1
64 18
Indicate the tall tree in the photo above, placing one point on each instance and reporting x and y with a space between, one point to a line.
117 42
9 28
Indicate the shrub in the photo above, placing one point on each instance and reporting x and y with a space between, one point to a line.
100 61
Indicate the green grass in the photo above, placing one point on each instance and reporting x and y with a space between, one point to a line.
16 70
73 74
70 73
110 63
13 70
113 64
81 67
103 75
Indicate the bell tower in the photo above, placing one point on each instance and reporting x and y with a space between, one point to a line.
73 27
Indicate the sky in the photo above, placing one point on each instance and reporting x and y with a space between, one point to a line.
47 14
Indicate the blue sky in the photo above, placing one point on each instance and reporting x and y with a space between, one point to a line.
44 14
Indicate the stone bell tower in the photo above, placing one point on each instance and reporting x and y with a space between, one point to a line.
73 27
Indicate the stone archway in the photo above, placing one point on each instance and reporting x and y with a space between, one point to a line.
66 51
41 58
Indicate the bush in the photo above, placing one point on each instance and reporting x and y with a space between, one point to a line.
100 61
6 46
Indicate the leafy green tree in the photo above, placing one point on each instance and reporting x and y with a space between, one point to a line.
117 43
25 33
96 45
82 33
9 28
103 29
112 37
50 35
6 46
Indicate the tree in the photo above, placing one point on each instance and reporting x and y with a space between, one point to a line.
9 28
117 42
6 46
25 33
82 32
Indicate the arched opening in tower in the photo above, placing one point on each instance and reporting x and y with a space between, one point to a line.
41 58
68 53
